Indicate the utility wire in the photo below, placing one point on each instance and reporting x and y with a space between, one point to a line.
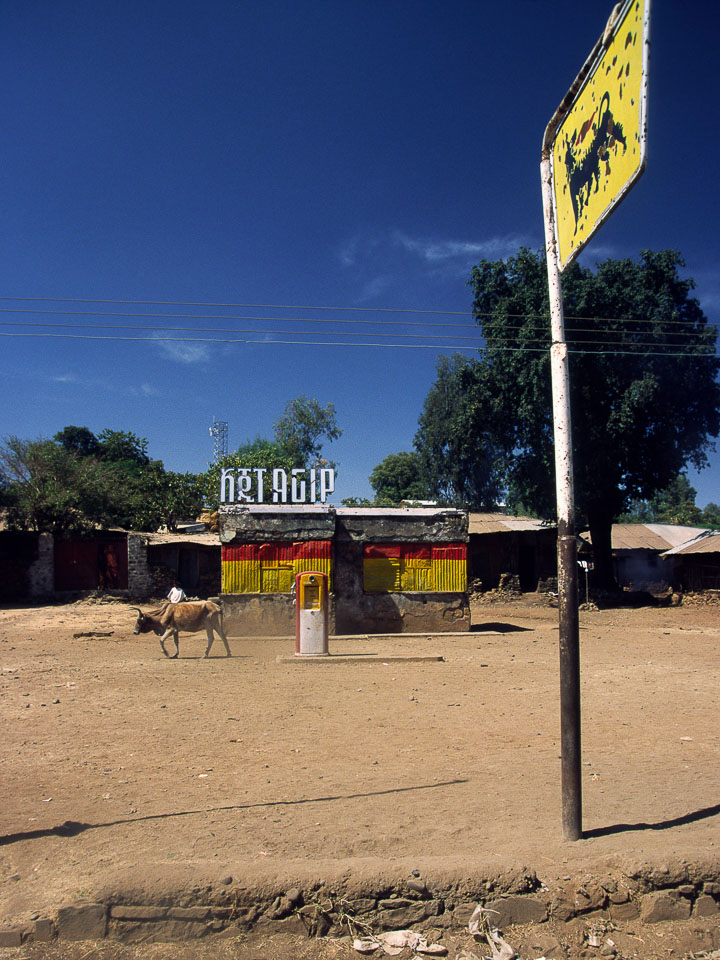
409 323
214 316
315 343
271 306
329 343
254 306
543 336
304 333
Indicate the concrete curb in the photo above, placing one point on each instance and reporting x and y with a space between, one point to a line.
516 898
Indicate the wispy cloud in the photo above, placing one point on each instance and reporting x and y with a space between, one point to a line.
64 378
597 252
390 263
145 390
468 251
183 351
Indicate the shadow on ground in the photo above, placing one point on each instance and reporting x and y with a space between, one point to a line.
498 627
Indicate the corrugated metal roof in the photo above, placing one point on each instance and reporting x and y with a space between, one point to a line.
649 536
501 523
676 534
397 511
198 539
707 542
637 536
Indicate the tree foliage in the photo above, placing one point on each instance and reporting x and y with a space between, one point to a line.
644 395
399 477
78 440
304 424
79 482
122 446
639 412
47 488
253 454
456 446
675 504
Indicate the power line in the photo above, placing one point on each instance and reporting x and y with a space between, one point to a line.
329 343
215 316
118 326
500 318
543 336
316 343
254 306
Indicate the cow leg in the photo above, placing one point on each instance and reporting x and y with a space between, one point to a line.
176 638
211 638
224 640
170 632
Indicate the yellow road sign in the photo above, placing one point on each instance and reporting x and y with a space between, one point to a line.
599 149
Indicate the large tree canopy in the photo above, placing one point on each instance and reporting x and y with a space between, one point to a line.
399 477
456 439
644 394
300 430
675 505
79 482
47 488
251 455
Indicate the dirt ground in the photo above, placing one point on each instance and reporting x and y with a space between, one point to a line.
186 772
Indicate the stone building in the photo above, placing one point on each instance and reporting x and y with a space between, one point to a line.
389 570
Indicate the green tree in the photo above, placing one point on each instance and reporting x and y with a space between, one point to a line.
456 445
49 489
79 440
122 446
301 429
711 516
72 485
156 497
253 454
644 395
675 504
399 477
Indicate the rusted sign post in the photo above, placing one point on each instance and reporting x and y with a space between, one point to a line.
593 152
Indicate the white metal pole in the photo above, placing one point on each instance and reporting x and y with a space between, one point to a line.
571 770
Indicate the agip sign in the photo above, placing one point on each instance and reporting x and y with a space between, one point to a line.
599 150
260 485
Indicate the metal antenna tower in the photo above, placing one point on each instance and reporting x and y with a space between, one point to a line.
219 433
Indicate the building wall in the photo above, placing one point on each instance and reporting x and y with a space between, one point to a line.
41 573
695 572
141 583
643 570
529 554
20 565
258 603
359 610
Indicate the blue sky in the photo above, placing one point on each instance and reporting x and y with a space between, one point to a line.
297 154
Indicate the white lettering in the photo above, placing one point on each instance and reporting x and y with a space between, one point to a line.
244 485
279 486
260 474
327 483
298 486
236 484
227 485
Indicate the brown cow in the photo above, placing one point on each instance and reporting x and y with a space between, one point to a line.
167 620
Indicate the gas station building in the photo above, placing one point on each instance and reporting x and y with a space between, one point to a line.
392 570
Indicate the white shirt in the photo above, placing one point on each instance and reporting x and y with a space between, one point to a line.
176 595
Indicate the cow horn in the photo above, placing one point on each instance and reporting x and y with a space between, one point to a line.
139 611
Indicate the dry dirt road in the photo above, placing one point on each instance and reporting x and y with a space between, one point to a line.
184 773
